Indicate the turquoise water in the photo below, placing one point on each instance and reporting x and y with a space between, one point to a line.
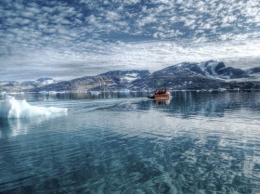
198 142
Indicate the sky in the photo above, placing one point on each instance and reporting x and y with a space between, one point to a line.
66 39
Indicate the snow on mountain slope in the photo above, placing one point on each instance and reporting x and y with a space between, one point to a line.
211 69
187 75
45 81
130 77
255 70
127 76
254 73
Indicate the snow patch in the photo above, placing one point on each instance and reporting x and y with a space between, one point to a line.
209 68
132 74
45 81
130 77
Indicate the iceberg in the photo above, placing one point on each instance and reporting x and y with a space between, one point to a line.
12 108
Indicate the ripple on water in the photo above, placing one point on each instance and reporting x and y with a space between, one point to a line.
203 145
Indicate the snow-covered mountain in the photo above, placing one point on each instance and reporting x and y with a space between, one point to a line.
210 69
14 86
45 81
127 76
38 82
254 70
192 76
8 83
203 75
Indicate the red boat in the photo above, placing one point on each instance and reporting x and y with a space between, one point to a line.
160 94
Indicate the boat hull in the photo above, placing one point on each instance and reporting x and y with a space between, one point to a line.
160 96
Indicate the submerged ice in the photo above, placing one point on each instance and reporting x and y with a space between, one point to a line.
12 108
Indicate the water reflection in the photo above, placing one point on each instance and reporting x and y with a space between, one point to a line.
162 101
74 96
188 104
198 143
23 126
13 127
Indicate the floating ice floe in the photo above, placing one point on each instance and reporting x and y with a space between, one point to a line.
12 108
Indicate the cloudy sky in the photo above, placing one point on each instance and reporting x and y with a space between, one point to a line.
64 39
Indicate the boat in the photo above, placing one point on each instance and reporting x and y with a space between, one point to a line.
160 94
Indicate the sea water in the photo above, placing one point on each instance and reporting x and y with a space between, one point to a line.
198 142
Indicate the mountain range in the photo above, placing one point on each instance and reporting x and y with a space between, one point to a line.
184 76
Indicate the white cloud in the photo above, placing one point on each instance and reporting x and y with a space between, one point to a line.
112 16
131 1
92 19
33 10
17 21
146 20
62 32
143 55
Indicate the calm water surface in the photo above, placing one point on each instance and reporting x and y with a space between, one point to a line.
196 143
